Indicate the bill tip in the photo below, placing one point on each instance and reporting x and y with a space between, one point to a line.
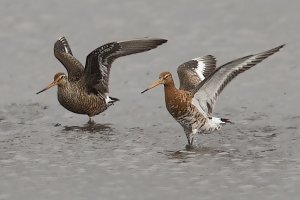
144 91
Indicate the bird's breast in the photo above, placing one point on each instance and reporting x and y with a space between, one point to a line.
177 103
77 100
183 111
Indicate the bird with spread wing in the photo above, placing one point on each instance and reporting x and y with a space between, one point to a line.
200 84
85 89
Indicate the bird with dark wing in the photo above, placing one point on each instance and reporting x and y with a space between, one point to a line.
200 84
85 89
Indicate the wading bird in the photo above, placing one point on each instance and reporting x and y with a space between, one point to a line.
200 84
85 89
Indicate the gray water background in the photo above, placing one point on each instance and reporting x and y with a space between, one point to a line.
136 150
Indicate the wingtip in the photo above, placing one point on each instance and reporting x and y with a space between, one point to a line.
206 57
272 51
164 40
152 38
281 46
159 40
62 38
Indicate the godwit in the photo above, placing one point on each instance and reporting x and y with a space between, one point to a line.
200 84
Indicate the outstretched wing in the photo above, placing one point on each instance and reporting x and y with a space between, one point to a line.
63 53
191 73
206 92
98 62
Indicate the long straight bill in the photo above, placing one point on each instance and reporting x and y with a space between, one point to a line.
156 83
48 87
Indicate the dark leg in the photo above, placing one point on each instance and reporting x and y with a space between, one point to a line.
189 141
192 140
190 145
188 135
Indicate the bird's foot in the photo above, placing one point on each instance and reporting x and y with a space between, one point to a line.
189 147
91 121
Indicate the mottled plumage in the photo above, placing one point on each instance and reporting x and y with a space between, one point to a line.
192 104
192 72
85 90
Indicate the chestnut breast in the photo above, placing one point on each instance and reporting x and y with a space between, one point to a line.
177 101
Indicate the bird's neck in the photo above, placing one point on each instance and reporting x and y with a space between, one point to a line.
63 86
170 90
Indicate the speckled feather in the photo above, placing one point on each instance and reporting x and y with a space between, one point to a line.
192 72
86 89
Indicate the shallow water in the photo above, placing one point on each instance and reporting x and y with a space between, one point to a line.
136 150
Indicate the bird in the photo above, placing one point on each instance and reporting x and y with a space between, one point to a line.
201 82
84 90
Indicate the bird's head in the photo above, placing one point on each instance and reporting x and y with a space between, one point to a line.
165 78
60 79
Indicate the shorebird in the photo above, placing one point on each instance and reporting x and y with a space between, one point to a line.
200 84
85 89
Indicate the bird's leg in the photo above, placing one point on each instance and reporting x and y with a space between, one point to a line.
189 146
192 140
194 131
91 121
189 136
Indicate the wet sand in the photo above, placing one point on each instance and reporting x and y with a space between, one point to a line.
136 150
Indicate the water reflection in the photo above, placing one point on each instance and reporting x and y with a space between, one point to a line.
91 128
196 151
92 132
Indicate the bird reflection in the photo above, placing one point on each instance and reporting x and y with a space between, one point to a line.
193 151
91 128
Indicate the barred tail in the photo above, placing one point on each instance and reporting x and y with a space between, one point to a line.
224 120
111 100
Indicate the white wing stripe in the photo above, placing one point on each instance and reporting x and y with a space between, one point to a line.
200 68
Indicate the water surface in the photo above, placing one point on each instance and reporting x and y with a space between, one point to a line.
136 150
